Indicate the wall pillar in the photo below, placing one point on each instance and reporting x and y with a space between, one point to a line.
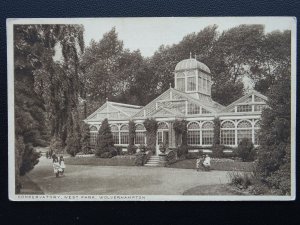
172 140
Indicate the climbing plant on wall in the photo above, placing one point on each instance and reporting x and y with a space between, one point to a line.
131 147
217 126
180 128
151 126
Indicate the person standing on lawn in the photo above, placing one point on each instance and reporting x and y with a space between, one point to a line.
199 160
206 163
62 164
56 167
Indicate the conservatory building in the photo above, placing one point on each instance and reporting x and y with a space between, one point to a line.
189 100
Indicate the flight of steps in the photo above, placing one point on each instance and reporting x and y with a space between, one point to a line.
153 161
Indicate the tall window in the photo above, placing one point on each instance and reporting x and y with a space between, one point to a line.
207 133
124 134
244 130
115 133
228 133
191 84
181 84
140 134
193 135
200 83
93 136
256 132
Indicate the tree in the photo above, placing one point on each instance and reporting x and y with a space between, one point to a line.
38 93
104 142
85 138
274 151
245 150
274 57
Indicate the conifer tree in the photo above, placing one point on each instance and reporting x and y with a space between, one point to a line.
104 142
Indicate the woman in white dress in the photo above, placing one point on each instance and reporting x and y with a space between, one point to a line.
62 164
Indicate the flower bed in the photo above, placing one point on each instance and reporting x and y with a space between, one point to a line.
120 160
216 164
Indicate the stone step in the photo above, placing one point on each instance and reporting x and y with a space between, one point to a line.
155 160
152 165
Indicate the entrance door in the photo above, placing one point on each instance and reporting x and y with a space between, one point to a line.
162 137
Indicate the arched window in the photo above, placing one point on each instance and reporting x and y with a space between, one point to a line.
163 126
93 135
193 135
124 134
140 134
244 130
207 133
256 132
115 132
228 133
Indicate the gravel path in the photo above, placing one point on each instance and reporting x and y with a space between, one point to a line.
105 180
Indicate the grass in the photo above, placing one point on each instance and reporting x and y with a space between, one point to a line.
115 161
29 187
216 164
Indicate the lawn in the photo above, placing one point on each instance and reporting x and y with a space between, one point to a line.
92 160
216 164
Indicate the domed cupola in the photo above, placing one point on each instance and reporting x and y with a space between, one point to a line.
193 77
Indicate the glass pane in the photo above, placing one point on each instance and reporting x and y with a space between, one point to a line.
180 84
191 83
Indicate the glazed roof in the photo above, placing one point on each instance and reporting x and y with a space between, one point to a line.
189 64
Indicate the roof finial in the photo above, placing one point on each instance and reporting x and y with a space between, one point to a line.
190 55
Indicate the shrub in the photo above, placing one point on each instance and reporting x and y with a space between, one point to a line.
131 149
72 145
182 151
171 157
30 158
218 151
143 148
119 150
246 150
104 140
241 179
193 155
139 158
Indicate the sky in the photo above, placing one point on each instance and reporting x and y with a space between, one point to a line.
147 34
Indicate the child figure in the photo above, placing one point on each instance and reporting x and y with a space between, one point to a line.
206 163
198 163
62 164
56 167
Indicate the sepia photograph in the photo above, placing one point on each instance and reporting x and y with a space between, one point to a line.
152 109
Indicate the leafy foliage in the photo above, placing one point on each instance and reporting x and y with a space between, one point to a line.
29 159
105 142
218 151
151 126
274 150
85 138
217 130
246 150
